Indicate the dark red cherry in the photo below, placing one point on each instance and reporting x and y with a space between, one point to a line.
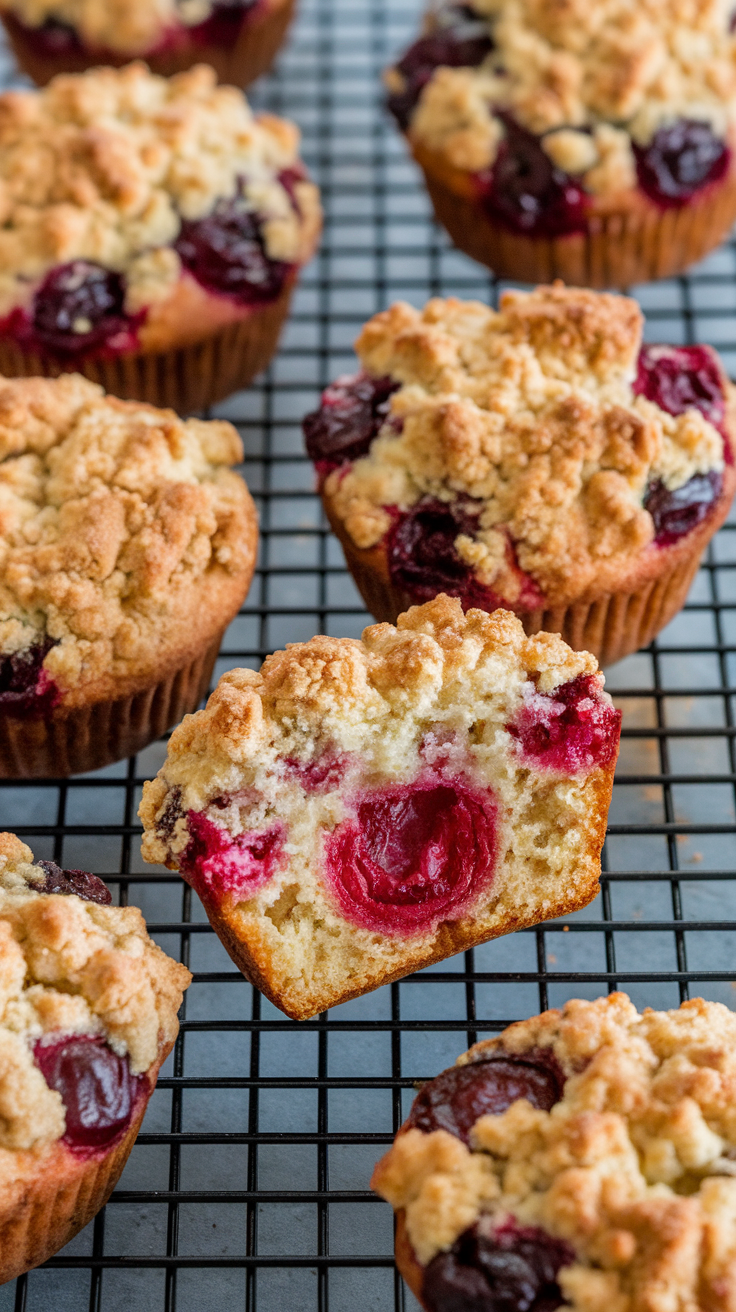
460 40
680 159
527 193
679 512
226 253
96 1086
26 690
78 882
512 1269
218 864
224 23
459 1096
680 378
412 855
569 730
78 307
53 38
352 411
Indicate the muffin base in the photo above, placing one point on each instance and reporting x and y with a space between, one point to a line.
610 624
629 238
43 1212
253 53
182 378
77 739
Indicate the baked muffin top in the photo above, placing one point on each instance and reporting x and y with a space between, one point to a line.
70 967
123 533
534 420
600 79
632 1167
106 166
126 27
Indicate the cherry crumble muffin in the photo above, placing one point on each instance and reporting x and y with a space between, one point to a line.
88 1014
152 233
238 38
583 1159
127 546
538 458
360 809
564 138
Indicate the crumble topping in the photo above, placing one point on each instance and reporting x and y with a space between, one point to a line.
117 521
105 165
607 73
126 27
437 690
529 410
71 967
635 1167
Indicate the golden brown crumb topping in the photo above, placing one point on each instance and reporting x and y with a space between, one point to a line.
126 27
72 967
104 166
530 411
619 68
118 524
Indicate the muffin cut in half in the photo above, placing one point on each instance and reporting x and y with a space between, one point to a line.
238 38
360 809
538 458
587 141
584 1159
152 235
127 545
88 1014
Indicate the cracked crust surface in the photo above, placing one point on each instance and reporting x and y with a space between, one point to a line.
635 1167
105 165
529 410
125 537
595 77
440 687
125 27
68 966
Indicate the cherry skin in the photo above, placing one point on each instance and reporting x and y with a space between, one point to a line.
225 252
26 690
224 23
78 307
413 855
527 193
352 413
570 730
459 1096
97 1089
460 40
680 160
511 1269
79 883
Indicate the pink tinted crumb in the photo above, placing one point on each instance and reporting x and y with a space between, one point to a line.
219 866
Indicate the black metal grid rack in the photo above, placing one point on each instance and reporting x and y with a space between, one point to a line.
248 1188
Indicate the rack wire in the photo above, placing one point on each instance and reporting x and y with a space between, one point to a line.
248 1187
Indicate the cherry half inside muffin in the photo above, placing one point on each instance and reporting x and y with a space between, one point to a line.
680 378
412 855
219 866
96 1086
568 730
26 690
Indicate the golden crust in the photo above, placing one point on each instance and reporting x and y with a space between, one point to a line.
596 78
633 1167
531 412
73 967
379 704
124 27
120 525
104 166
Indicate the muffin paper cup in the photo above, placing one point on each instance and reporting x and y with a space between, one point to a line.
636 242
83 738
183 378
57 1196
611 624
252 54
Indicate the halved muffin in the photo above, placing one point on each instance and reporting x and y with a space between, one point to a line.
538 458
88 1014
360 809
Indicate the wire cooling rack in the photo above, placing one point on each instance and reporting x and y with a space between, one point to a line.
248 1187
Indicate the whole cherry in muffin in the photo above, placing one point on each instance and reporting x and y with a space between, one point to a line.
239 38
186 222
373 806
551 1166
88 1014
539 458
538 124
